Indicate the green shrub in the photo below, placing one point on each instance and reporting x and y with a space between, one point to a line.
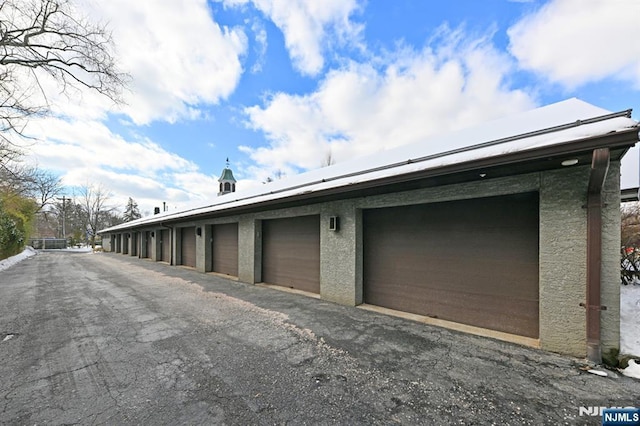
11 236
16 217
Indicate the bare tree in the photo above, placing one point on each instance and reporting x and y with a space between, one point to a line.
328 159
51 36
45 41
278 175
41 185
10 155
12 172
630 242
44 187
48 37
94 198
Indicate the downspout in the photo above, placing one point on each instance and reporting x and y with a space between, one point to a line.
599 168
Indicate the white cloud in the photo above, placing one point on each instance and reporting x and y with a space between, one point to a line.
120 185
84 152
261 45
201 187
573 42
177 56
307 27
177 190
67 144
361 109
179 59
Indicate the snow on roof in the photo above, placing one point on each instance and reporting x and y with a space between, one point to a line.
554 124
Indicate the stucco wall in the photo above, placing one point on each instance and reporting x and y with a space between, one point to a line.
249 249
563 260
341 254
203 248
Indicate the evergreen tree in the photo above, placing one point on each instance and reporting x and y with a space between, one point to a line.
131 211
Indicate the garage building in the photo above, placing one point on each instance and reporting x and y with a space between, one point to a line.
509 229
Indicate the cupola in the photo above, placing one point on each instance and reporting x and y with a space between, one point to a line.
227 181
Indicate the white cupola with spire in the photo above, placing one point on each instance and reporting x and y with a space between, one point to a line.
227 181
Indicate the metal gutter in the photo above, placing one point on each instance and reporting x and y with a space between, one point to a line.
599 168
630 194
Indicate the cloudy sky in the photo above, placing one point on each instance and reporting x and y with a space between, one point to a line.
278 85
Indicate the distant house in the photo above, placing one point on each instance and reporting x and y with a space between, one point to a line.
534 199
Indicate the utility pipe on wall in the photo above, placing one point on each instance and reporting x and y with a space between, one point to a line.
599 168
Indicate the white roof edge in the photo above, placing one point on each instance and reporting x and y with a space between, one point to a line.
561 122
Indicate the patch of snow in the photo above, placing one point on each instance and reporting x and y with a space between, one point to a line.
630 320
76 249
632 370
598 372
30 251
10 261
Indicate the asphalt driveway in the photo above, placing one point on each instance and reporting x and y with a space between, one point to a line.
109 339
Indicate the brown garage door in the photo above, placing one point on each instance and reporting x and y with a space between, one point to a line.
472 261
291 252
188 246
165 245
225 249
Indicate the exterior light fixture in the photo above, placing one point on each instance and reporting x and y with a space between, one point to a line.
483 175
570 162
334 223
198 231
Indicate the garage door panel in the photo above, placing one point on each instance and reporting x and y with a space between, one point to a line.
291 252
496 312
472 261
188 241
225 248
